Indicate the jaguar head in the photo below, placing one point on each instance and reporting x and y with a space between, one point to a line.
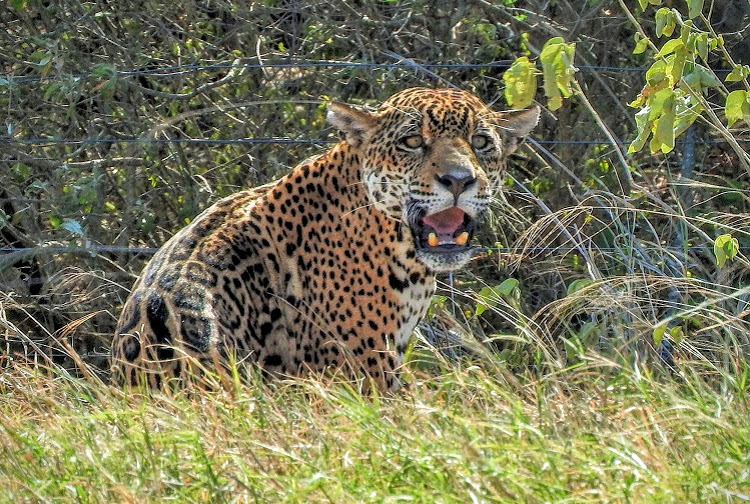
430 158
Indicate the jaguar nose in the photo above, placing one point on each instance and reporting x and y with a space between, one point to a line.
456 182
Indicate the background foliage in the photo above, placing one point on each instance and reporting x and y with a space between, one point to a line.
595 351
123 120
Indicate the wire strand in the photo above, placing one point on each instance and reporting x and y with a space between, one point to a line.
280 141
177 70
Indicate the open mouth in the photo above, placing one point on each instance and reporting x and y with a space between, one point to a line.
446 231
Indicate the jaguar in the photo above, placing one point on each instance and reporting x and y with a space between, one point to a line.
330 268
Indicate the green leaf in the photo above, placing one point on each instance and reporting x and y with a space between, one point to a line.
578 284
641 46
686 32
701 45
669 47
663 138
558 70
695 7
437 304
506 288
554 102
106 88
520 83
22 171
692 80
489 296
55 221
51 91
676 64
563 78
676 334
643 124
708 79
658 333
725 247
663 113
687 113
656 73
104 71
666 21
738 73
737 107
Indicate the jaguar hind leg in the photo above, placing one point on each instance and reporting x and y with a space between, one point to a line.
143 350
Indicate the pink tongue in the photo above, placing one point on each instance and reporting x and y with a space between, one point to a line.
445 222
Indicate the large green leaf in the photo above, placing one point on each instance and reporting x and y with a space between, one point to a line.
558 70
520 83
738 73
695 7
737 107
725 247
490 296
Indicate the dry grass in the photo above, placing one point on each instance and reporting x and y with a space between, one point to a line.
594 432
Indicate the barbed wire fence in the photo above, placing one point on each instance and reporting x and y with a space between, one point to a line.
13 255
9 138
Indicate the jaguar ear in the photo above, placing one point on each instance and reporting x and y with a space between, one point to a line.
519 123
357 124
515 125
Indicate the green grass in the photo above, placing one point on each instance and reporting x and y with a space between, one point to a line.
593 434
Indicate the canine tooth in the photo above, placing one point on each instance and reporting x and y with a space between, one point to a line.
462 238
432 240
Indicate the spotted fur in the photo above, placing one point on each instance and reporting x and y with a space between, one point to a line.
326 268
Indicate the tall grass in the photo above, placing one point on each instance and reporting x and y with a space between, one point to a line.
569 398
593 432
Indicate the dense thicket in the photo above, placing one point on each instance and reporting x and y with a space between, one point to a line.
102 103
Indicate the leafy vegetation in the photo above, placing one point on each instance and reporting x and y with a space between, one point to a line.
595 351
676 82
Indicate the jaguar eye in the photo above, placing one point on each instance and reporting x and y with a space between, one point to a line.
481 142
412 141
